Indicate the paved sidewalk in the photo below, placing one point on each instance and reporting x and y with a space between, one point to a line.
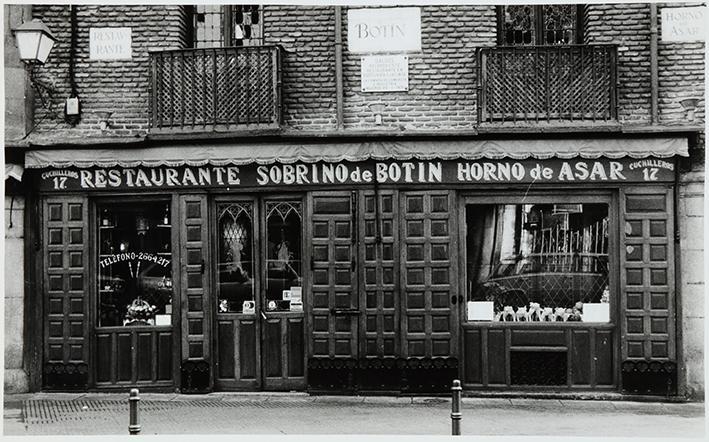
296 413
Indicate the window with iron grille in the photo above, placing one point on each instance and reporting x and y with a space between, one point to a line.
215 26
545 262
527 25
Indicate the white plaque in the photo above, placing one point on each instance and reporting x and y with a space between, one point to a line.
384 30
481 311
684 24
110 44
385 73
596 312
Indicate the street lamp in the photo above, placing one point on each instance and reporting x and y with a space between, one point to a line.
34 41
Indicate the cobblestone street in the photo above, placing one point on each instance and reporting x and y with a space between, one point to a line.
65 414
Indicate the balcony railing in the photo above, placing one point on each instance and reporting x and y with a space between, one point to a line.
215 89
545 83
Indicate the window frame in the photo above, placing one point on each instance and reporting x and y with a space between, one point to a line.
539 26
227 25
95 251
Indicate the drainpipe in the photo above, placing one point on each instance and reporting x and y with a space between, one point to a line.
654 115
338 67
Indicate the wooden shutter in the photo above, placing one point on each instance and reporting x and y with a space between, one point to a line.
66 291
429 273
647 274
334 296
380 273
194 281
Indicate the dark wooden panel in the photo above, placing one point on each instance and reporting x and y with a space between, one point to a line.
165 354
648 326
539 338
225 350
334 282
194 280
104 354
124 357
497 357
296 348
272 348
429 325
580 357
66 290
379 274
472 352
604 357
247 349
145 356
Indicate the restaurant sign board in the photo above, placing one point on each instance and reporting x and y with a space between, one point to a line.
684 24
384 30
345 173
110 44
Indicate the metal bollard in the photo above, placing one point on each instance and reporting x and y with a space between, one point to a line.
456 415
133 400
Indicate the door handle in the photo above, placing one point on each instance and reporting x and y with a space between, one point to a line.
263 315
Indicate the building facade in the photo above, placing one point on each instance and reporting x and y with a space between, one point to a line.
359 199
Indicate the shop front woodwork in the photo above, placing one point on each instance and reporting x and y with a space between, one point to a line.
231 280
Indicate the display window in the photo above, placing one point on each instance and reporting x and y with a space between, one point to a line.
283 271
542 262
235 264
134 264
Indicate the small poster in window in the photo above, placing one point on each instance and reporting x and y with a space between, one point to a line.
287 295
296 294
249 307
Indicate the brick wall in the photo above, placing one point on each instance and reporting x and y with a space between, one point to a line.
442 77
307 35
681 75
120 87
628 26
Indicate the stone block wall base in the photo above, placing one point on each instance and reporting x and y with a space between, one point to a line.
16 381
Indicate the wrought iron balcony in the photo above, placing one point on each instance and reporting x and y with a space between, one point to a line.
215 89
547 83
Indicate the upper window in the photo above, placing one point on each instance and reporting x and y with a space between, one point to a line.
558 24
215 26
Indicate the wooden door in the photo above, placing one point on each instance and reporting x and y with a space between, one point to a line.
236 270
283 327
647 278
379 277
429 257
66 293
334 300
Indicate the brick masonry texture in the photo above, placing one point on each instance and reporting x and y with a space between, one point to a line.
442 76
120 87
681 75
307 35
628 26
